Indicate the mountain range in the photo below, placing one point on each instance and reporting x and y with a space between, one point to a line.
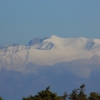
49 51
51 61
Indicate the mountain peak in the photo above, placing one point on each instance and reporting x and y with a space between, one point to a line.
54 36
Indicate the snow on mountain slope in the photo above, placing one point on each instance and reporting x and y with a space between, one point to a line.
62 43
45 45
49 52
76 43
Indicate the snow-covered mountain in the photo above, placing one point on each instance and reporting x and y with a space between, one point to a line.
48 51
62 63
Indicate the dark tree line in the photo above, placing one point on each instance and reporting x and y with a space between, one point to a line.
77 94
44 95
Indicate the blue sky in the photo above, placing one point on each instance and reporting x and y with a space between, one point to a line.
22 20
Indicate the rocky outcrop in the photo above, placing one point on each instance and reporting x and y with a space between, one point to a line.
36 40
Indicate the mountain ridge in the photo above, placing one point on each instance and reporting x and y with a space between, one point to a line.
49 51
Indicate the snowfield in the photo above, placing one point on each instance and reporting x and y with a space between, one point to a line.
49 52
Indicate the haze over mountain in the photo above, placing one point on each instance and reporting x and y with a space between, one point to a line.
49 61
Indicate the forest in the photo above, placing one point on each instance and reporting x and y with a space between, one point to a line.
77 94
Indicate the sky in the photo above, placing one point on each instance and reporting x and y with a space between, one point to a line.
22 20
